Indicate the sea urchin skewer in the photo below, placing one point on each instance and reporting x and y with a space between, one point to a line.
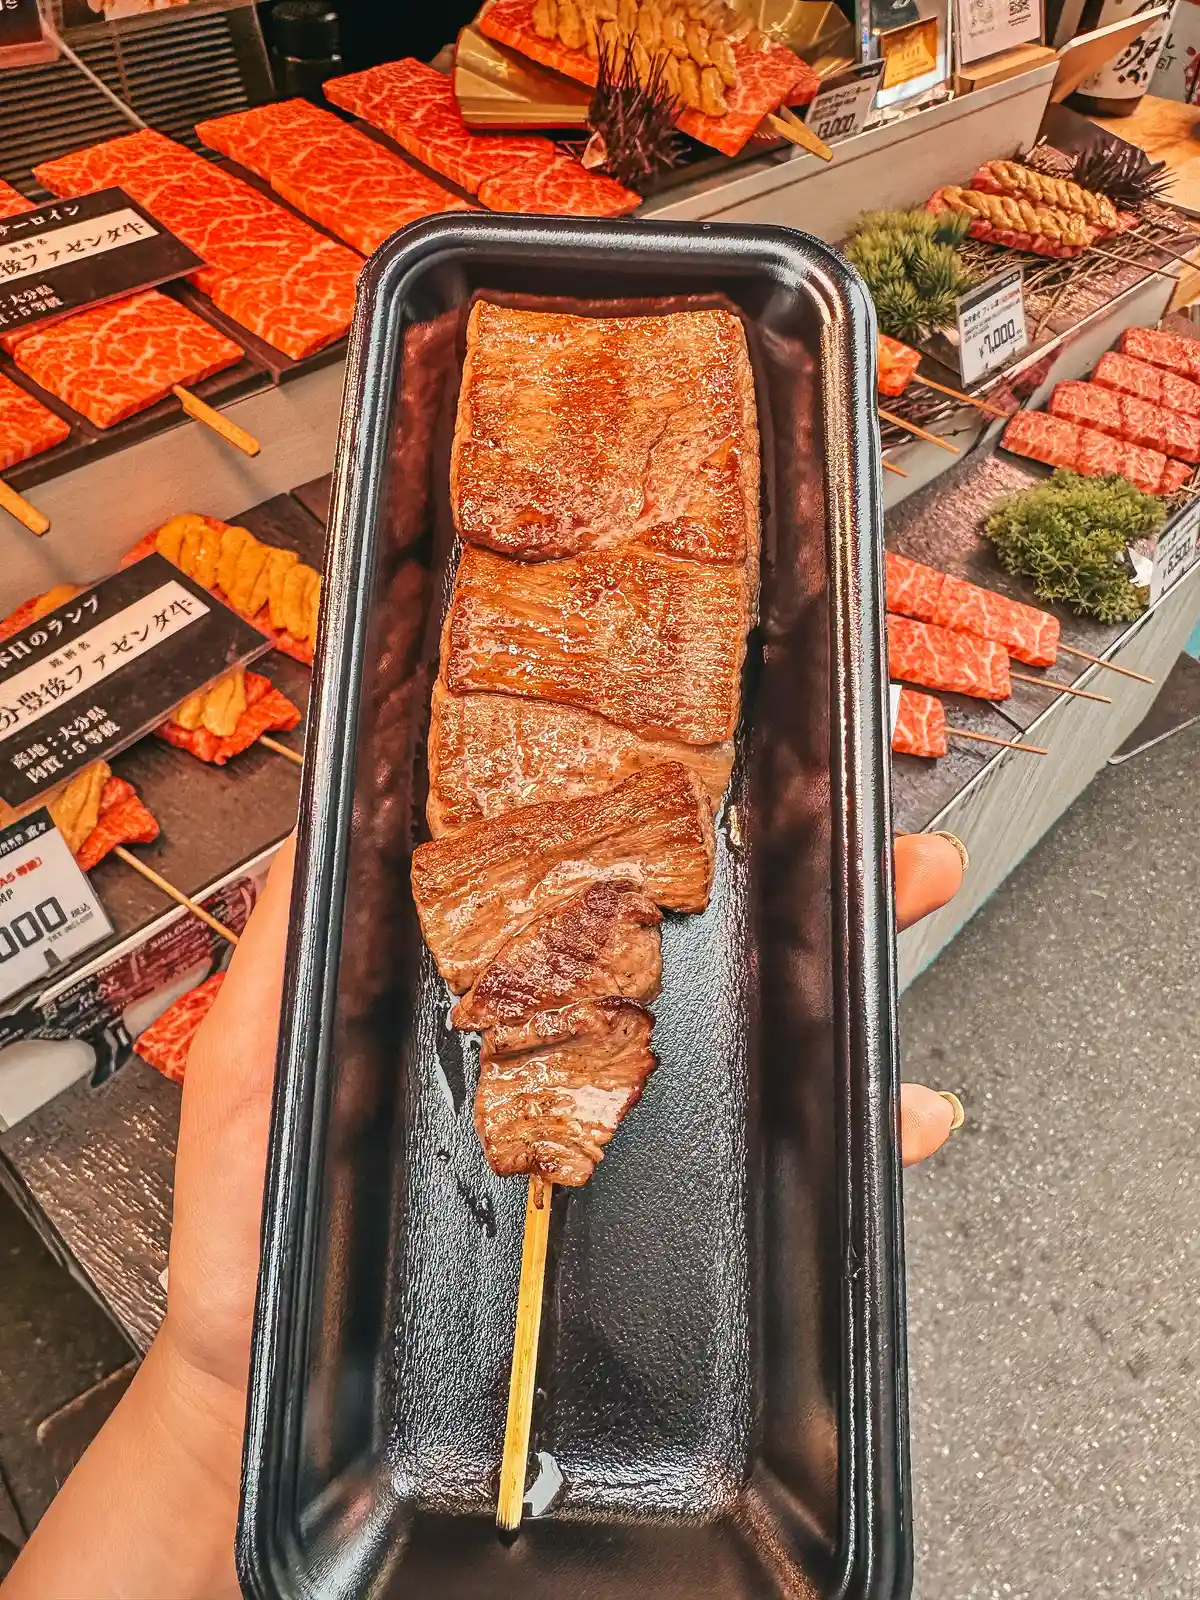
632 121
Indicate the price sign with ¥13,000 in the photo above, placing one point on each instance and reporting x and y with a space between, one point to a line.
991 325
49 912
1175 552
842 105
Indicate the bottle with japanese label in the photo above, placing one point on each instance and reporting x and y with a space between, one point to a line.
1117 89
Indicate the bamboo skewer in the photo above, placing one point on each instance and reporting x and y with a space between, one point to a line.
281 749
799 133
890 466
1059 688
1099 661
221 425
524 1362
990 738
957 394
17 506
1139 266
173 893
921 433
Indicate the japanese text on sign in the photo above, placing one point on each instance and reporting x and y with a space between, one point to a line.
86 659
991 325
24 254
49 912
842 105
1175 552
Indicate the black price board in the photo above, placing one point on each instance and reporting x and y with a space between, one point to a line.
69 254
98 673
20 24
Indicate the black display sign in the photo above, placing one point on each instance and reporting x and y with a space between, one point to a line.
20 24
69 254
98 673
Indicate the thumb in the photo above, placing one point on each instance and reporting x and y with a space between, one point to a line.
927 1120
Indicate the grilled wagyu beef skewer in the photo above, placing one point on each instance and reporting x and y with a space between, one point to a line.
1027 633
264 266
920 729
582 725
960 663
897 368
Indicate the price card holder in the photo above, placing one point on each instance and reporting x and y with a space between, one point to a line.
49 912
1175 552
991 326
893 706
843 103
106 667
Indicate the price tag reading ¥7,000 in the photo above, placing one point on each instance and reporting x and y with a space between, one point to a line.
49 912
844 102
1175 552
991 326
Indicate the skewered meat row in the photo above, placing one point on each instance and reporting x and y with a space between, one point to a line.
27 427
897 365
927 595
1168 350
113 360
415 105
12 202
1157 385
331 172
264 267
764 78
1059 443
663 452
1019 224
1015 179
166 1042
1124 416
936 658
219 722
94 811
269 586
920 726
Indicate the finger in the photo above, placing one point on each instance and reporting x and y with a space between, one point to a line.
926 1122
929 870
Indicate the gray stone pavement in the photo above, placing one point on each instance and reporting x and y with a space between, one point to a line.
1054 1248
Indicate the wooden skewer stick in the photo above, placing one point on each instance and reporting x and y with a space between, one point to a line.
957 394
989 738
1140 266
921 433
17 506
799 133
1099 661
890 466
524 1362
173 893
202 412
1060 688
281 749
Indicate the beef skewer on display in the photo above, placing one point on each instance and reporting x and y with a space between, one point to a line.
1161 386
897 368
960 663
581 727
919 728
1029 634
27 427
1170 351
265 267
165 1044
1127 417
1059 443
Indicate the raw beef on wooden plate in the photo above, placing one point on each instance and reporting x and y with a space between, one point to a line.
415 105
266 268
333 173
115 359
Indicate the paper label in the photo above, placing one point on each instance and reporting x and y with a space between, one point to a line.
988 26
991 326
49 911
844 102
104 668
1175 552
69 254
909 52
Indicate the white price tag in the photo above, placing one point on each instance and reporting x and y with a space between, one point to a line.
991 325
893 705
1175 552
48 910
842 105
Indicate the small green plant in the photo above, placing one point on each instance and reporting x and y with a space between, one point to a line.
1070 535
909 261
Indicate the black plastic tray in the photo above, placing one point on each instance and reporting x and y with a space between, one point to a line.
722 1375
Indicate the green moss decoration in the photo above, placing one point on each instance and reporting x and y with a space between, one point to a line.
1070 535
909 261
